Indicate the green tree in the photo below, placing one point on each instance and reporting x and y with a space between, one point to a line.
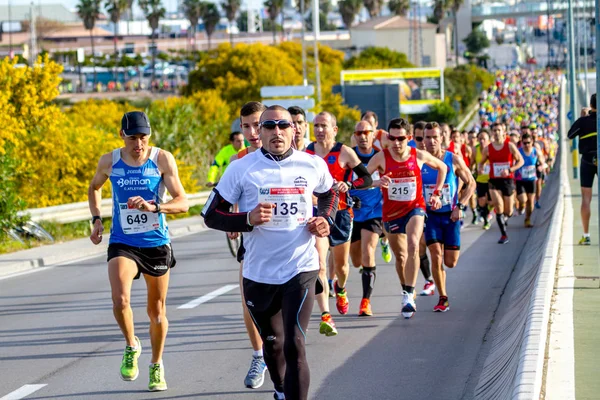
274 8
349 9
454 6
154 11
193 10
88 11
378 57
242 21
439 112
115 9
231 8
373 7
476 42
211 17
10 202
399 7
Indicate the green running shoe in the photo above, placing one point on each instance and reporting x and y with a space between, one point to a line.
129 364
386 254
157 378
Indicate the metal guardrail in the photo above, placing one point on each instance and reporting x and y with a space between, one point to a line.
75 212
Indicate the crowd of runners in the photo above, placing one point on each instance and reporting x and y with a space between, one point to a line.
306 211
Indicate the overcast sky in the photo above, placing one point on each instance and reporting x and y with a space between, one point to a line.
170 5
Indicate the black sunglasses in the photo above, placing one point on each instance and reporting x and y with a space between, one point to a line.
526 142
396 138
272 123
419 138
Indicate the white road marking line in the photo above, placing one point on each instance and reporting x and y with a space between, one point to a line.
23 391
207 297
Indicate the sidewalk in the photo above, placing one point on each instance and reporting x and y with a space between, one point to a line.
44 256
586 298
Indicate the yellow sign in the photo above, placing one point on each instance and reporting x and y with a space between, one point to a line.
372 75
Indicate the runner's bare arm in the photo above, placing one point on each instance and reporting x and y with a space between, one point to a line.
168 167
100 177
377 163
462 171
484 158
519 161
542 160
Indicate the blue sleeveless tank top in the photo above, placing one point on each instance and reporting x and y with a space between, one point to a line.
371 199
131 226
528 171
450 189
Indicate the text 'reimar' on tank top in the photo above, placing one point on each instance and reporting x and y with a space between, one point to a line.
131 226
405 192
449 190
339 174
500 160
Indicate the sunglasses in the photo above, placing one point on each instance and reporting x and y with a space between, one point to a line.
359 133
419 138
396 138
526 142
280 123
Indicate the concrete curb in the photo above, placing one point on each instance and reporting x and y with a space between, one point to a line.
80 249
527 384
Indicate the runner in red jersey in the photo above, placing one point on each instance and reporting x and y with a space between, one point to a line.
403 204
505 159
342 161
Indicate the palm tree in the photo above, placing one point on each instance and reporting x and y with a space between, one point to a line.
154 11
274 8
348 10
88 11
399 7
115 9
373 7
455 5
193 10
129 13
231 8
211 17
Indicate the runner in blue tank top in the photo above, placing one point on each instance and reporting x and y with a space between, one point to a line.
139 241
526 176
442 230
367 227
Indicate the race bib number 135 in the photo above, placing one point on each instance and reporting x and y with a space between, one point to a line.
290 208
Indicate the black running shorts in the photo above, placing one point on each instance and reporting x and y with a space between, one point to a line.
587 173
372 225
505 185
483 189
525 187
152 261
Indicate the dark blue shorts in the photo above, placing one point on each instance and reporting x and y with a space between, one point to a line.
342 228
441 229
398 225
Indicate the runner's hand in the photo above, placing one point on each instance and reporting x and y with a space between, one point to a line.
262 213
318 226
233 235
505 173
342 187
97 230
139 203
385 181
435 203
456 214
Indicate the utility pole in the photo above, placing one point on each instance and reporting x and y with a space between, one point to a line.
32 32
598 89
572 79
304 72
548 5
316 33
10 49
586 36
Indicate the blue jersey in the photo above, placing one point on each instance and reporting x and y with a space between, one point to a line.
412 143
131 226
450 189
371 199
528 171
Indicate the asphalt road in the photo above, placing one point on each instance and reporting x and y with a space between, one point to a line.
57 330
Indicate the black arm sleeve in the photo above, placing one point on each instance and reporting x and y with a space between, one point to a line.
217 215
327 203
574 131
363 179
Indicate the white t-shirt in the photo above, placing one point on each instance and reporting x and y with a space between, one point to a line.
283 248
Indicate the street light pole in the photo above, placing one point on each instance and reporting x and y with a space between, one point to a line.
598 91
585 51
316 32
304 74
571 35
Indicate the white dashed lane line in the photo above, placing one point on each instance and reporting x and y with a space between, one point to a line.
22 392
207 297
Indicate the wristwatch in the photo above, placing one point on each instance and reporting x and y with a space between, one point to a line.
157 210
96 217
461 207
349 184
329 221
437 193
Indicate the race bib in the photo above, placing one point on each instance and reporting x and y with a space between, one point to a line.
528 172
136 221
290 210
403 189
446 198
499 167
486 169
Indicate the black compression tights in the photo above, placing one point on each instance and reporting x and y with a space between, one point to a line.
284 342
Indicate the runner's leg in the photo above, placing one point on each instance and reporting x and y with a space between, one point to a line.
121 272
157 311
